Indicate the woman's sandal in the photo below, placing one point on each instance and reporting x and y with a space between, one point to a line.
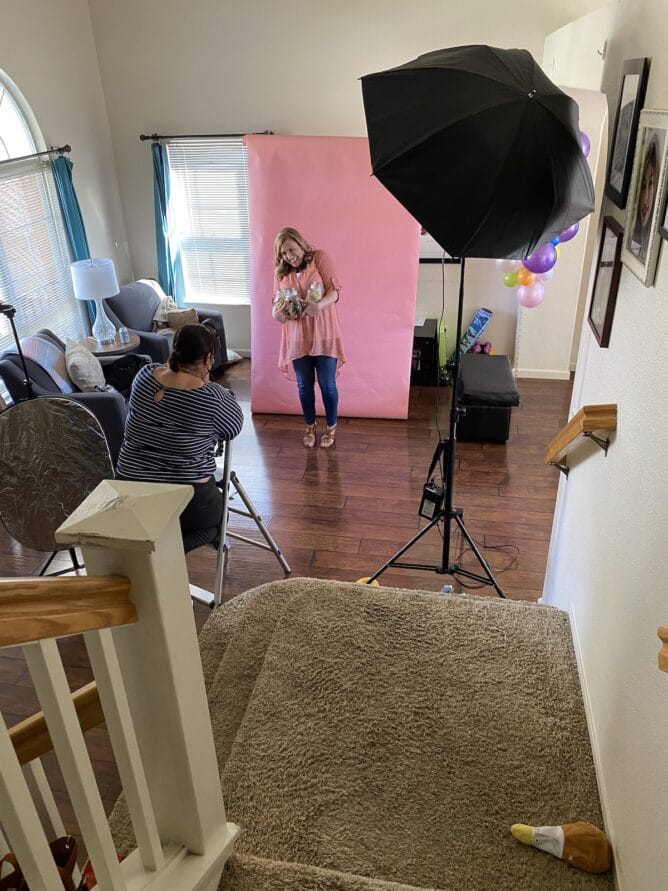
327 438
309 436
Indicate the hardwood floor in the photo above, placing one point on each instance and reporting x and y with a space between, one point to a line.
341 513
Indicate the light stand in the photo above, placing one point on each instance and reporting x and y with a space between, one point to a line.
443 509
9 312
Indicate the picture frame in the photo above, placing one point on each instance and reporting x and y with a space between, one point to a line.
635 73
606 281
664 218
646 196
431 251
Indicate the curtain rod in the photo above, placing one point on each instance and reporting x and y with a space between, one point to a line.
157 137
63 149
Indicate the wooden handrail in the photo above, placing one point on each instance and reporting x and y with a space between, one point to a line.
663 652
38 608
586 422
31 736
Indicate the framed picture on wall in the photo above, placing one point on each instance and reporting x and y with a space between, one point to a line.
646 196
664 217
606 281
629 104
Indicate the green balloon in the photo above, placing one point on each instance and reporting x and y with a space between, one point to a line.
510 279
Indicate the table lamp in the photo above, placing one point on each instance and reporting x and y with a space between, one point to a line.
95 279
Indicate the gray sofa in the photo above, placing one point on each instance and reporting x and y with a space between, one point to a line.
134 307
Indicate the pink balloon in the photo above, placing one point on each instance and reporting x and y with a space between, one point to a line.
508 265
530 295
546 276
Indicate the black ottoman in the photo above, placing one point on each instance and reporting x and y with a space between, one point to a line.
486 393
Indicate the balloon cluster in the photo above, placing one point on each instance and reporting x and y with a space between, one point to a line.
527 276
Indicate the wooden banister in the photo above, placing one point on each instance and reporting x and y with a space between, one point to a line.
40 608
586 422
663 652
31 736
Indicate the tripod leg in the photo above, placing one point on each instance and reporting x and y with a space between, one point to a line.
488 579
46 564
221 559
259 523
393 560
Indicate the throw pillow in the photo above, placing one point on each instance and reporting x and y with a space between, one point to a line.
83 367
180 317
167 304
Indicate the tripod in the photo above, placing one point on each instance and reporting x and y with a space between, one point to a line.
444 511
225 479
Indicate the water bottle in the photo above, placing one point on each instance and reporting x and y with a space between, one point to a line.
124 335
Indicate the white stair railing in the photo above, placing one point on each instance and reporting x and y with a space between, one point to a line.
150 684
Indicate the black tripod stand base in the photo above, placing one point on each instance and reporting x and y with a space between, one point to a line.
446 515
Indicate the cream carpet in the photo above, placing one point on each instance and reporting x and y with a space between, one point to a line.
374 739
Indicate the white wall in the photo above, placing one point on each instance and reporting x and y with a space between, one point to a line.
574 56
47 49
292 67
545 334
608 561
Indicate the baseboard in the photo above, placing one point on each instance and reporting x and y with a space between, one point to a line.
607 818
542 374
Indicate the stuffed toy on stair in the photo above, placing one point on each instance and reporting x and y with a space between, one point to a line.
580 844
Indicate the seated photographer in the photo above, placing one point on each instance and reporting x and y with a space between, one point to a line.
176 418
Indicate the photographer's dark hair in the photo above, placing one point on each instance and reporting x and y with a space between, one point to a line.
191 344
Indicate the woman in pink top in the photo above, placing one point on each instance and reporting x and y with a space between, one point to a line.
311 337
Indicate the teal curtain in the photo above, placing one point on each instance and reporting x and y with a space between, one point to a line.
61 168
169 266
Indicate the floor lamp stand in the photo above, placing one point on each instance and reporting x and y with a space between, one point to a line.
9 312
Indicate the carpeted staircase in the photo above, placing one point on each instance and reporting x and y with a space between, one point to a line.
375 739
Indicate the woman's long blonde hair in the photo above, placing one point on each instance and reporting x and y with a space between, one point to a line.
281 267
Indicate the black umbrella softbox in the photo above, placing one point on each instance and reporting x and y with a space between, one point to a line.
480 147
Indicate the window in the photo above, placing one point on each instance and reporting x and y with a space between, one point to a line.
34 253
208 219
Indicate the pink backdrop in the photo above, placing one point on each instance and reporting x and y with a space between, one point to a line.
322 185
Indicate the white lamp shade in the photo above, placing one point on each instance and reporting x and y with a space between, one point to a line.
94 279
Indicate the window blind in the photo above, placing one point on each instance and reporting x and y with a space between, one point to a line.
208 219
34 256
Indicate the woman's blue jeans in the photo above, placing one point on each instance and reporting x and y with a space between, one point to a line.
306 368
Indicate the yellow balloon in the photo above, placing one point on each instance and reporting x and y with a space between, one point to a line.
558 250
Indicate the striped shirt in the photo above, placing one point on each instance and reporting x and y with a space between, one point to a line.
174 438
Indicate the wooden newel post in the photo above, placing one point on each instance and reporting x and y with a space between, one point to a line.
132 529
663 652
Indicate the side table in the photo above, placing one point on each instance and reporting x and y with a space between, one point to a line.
109 349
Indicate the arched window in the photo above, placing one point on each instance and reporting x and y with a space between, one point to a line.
34 253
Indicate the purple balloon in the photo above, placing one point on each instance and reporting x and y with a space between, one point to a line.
569 233
542 259
584 143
